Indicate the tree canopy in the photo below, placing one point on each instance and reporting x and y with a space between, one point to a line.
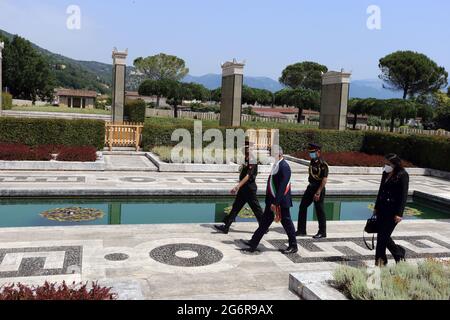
162 67
304 75
413 73
26 73
254 95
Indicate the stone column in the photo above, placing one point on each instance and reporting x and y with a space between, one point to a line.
334 102
232 82
118 90
2 45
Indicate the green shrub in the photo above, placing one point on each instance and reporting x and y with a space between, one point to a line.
158 132
35 132
6 101
421 150
424 151
378 122
135 110
429 280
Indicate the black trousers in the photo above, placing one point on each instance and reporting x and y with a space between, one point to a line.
386 226
267 221
244 196
308 199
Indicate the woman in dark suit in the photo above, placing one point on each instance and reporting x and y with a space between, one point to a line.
389 208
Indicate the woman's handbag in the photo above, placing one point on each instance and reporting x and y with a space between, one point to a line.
372 228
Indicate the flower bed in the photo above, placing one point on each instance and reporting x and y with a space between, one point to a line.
54 292
21 152
351 159
77 154
429 280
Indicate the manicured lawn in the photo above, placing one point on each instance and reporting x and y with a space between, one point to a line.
59 109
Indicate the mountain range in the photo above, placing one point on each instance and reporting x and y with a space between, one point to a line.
92 75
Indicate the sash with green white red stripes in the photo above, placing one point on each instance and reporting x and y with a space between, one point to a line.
273 189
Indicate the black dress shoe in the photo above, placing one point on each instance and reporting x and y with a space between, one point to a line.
300 234
250 250
320 236
247 243
402 257
222 228
290 250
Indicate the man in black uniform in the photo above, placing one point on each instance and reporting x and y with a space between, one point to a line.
245 192
318 178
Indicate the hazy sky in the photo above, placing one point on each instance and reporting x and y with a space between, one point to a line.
268 34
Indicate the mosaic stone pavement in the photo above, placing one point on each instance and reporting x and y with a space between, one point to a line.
156 183
193 261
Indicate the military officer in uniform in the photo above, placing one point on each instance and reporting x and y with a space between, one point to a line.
315 193
245 192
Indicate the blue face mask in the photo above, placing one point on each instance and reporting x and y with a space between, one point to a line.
313 155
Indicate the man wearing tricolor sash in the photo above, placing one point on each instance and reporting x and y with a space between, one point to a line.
278 204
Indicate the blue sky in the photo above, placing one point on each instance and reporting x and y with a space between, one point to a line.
268 34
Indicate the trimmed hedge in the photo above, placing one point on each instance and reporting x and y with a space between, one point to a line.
35 132
423 151
78 154
158 132
135 110
6 101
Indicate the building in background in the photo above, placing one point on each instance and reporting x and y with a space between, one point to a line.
134 95
71 98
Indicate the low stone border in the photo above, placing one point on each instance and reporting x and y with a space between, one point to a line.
375 170
52 165
313 286
54 115
201 168
433 197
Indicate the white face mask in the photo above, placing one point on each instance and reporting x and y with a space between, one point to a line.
388 169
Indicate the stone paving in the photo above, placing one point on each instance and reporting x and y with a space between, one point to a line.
191 261
125 183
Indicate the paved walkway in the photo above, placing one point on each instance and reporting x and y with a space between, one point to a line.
20 183
193 261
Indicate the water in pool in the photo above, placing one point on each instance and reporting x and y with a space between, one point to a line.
28 213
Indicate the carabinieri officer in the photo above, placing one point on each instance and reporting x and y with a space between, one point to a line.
245 191
316 191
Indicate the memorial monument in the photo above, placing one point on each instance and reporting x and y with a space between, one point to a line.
2 45
118 90
232 83
334 101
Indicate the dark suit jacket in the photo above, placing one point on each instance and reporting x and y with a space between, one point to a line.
279 184
393 195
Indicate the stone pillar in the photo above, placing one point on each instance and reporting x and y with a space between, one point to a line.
232 82
2 45
118 90
334 102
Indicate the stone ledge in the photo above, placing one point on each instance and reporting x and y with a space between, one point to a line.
146 192
201 168
438 198
313 286
54 115
98 165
